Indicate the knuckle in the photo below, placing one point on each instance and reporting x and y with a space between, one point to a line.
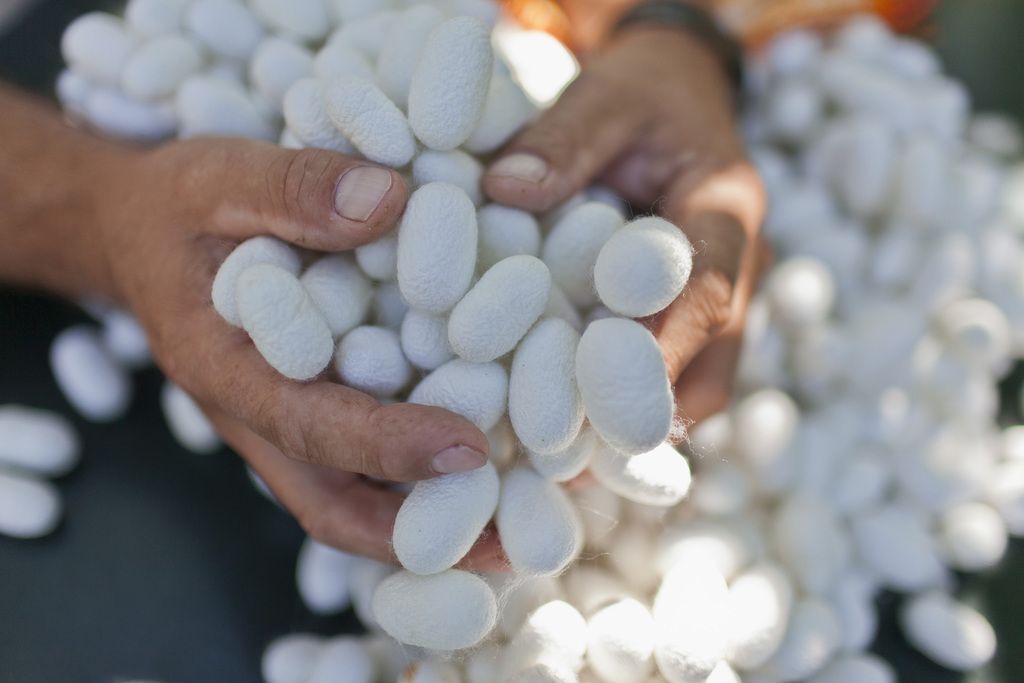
294 179
712 298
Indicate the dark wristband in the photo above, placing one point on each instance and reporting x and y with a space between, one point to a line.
697 21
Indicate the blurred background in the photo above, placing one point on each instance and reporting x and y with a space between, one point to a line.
170 567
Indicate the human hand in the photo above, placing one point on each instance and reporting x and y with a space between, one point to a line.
651 116
178 212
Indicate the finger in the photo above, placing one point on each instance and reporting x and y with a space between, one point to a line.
319 422
566 148
314 198
340 510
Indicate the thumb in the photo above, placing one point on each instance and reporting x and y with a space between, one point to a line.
566 148
313 198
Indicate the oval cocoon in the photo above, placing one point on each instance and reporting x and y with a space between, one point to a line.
322 577
370 359
691 616
276 66
505 232
572 247
425 340
476 391
455 167
283 322
568 463
499 309
949 632
211 106
544 402
760 600
97 46
621 642
37 440
29 507
248 253
290 659
658 477
449 86
447 611
441 519
157 68
339 290
379 259
306 115
343 660
225 27
369 120
437 247
540 530
624 384
506 110
643 267
302 19
90 380
401 47
187 422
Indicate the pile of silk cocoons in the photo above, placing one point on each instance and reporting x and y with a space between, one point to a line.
862 454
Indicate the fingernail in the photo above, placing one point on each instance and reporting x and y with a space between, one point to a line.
527 167
458 459
360 192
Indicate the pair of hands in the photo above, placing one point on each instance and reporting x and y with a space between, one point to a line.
651 117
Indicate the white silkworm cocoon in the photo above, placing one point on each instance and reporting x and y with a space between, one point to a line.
437 243
600 511
567 463
442 518
812 638
760 600
389 308
554 634
519 596
923 183
306 116
643 267
659 477
948 632
896 546
116 115
254 250
629 550
364 577
449 86
691 613
339 290
73 90
544 402
712 542
125 340
476 391
370 359
340 59
539 527
801 292
343 660
506 110
482 664
401 48
973 536
560 307
97 46
485 10
425 340
306 20
861 483
545 672
96 386
978 331
853 599
447 611
810 540
503 447
151 18
322 577
186 420
37 441
572 247
366 34
225 27
283 322
504 232
379 259
624 384
29 507
208 106
290 659
276 66
865 165
1006 493
455 167
621 641
369 120
794 109
764 425
431 671
155 70
861 668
